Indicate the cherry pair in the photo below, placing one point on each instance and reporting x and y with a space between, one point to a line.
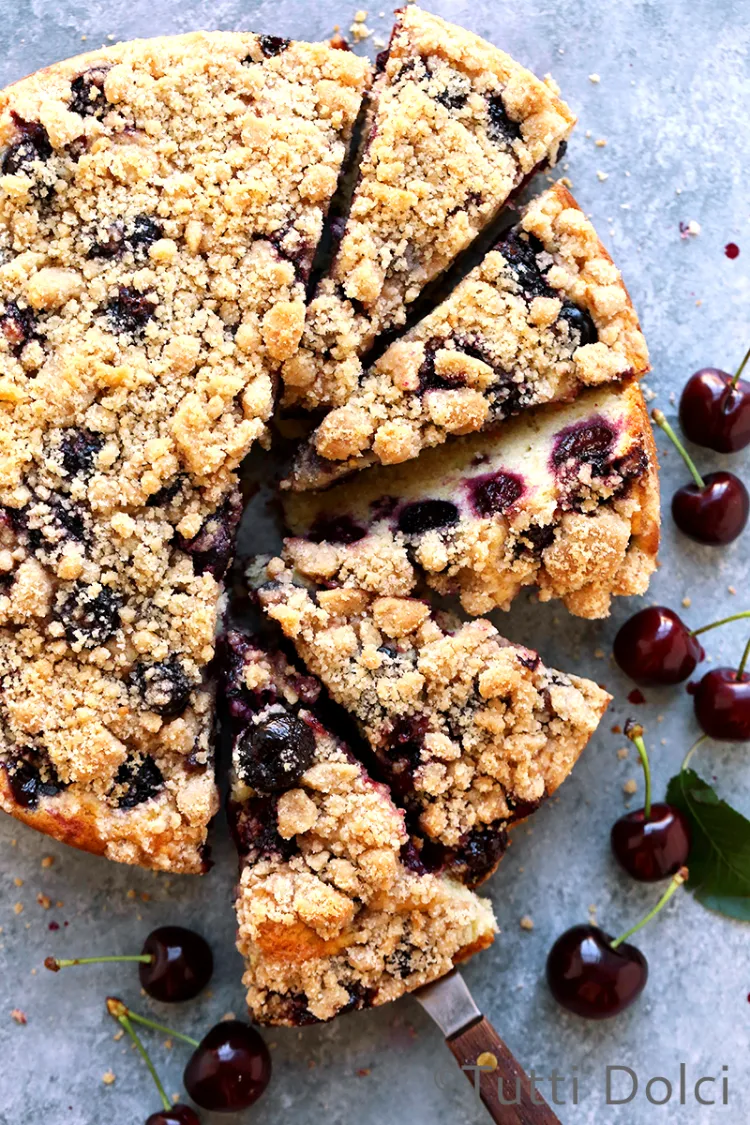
655 646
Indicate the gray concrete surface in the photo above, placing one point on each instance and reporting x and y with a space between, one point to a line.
672 107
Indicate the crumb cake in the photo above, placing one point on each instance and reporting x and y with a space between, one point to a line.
160 205
333 912
454 127
544 315
470 731
565 498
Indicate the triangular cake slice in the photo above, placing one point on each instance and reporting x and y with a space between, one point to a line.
544 315
471 731
160 206
455 126
335 911
565 498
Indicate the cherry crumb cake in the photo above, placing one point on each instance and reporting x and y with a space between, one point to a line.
335 910
544 315
160 205
470 732
454 127
565 498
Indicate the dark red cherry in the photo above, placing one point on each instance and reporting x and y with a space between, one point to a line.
230 1068
722 704
651 848
715 514
715 410
176 1115
655 646
588 977
181 967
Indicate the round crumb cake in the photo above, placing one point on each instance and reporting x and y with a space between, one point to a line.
160 206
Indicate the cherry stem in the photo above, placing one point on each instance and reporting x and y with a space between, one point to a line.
119 1012
724 621
113 1001
634 731
743 662
661 421
691 751
54 965
740 369
677 881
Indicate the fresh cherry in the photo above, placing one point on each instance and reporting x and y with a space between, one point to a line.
651 843
715 409
175 1115
229 1069
713 509
597 976
655 646
174 965
722 704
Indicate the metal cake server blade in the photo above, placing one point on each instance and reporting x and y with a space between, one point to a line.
492 1069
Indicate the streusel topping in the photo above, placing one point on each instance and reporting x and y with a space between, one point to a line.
470 730
455 126
544 315
160 205
331 915
564 497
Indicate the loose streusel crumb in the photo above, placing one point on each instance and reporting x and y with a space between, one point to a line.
454 127
565 498
543 316
470 731
19 1016
160 205
335 910
526 923
108 1078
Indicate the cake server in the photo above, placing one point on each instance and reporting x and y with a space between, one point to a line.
489 1065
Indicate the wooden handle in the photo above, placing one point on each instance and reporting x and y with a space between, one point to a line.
477 1049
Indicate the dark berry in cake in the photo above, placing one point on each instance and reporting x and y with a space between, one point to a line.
79 449
336 529
399 962
181 964
253 828
118 237
273 754
427 515
87 97
479 853
163 687
32 145
579 321
17 325
27 784
501 128
141 779
586 443
272 45
454 99
130 310
536 538
212 548
90 618
521 254
230 1069
493 495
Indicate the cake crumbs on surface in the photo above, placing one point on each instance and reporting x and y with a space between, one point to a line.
601 143
47 860
594 78
17 882
526 922
630 787
18 1015
731 589
44 901
602 176
687 602
622 753
487 1061
108 1078
118 1035
18 908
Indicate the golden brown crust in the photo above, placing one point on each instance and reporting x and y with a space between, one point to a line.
455 127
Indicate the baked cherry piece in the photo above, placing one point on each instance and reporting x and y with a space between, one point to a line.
655 646
229 1069
715 409
174 965
651 843
597 976
713 509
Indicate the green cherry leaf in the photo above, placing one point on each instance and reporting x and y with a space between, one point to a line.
719 860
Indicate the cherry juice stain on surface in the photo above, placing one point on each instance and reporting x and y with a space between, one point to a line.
636 696
732 250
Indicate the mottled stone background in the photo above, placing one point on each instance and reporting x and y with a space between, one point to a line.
672 106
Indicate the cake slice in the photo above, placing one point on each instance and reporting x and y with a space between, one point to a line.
160 205
454 127
334 911
565 498
544 315
470 731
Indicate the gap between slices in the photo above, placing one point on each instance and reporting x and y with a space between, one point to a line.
564 497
